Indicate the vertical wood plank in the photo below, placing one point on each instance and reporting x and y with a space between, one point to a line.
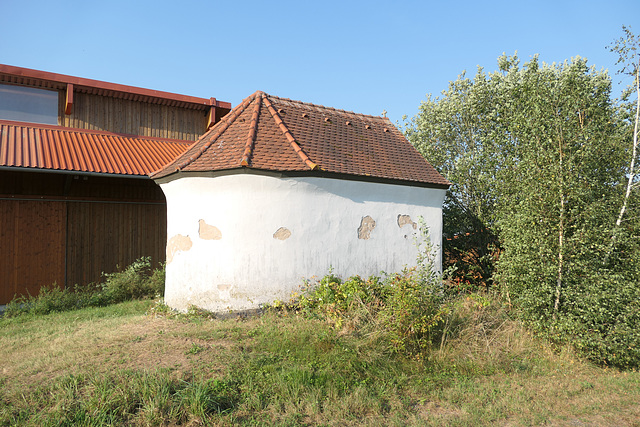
33 237
133 117
8 216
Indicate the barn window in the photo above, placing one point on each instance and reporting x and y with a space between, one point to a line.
28 104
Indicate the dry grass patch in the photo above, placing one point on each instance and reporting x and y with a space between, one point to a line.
35 351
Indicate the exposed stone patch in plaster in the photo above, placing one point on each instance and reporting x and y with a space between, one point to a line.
404 220
282 233
367 224
208 232
177 243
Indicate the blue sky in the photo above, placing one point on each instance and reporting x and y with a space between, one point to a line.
355 55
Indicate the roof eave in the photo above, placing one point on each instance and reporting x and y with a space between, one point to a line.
178 174
92 85
71 172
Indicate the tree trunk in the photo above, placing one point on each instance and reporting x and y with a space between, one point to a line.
635 152
556 303
632 166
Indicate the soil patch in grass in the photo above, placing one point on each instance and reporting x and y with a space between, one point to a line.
103 344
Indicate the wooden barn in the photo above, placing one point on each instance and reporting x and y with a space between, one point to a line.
75 154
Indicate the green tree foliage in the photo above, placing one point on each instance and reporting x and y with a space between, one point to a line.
628 49
537 157
454 133
561 178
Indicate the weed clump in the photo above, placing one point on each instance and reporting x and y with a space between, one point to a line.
411 313
408 312
417 314
137 281
126 397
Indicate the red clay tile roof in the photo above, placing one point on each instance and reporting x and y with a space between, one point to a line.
275 134
28 145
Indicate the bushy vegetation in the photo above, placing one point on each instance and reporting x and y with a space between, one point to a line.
412 313
137 280
401 312
407 314
407 311
544 203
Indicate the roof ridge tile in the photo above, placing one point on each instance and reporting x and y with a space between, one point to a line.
287 133
251 137
218 129
339 110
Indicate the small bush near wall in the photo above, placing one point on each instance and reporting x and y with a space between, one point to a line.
411 317
407 311
136 281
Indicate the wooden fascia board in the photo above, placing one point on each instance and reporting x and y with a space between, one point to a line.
68 106
96 84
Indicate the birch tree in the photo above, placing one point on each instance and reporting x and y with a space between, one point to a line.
539 154
628 49
561 182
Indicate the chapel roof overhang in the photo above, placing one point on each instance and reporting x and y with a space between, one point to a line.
268 133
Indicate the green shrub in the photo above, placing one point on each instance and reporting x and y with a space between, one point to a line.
598 313
136 281
51 299
602 322
337 300
414 313
407 309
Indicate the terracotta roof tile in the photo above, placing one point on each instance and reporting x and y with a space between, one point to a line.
277 134
30 145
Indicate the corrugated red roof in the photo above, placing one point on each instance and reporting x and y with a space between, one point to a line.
276 134
36 146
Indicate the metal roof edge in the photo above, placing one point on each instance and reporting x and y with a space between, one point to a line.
71 172
98 84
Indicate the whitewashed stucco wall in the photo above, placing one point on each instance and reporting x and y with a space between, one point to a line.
238 241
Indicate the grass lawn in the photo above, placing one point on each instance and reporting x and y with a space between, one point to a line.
119 365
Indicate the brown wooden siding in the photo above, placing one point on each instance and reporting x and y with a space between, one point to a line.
118 115
103 237
32 239
70 229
